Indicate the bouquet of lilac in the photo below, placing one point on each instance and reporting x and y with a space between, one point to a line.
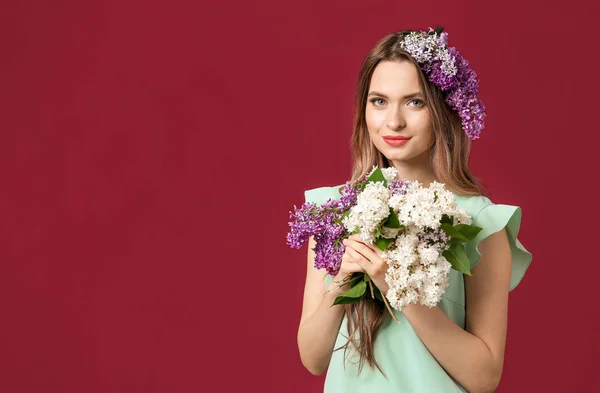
420 231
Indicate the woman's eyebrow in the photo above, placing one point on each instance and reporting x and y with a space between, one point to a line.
376 93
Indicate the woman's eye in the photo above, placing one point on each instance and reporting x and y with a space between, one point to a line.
420 103
373 100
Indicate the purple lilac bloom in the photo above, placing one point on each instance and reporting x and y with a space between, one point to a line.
397 186
436 238
439 78
448 70
318 221
464 99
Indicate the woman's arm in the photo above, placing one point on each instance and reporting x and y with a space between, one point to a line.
320 322
475 356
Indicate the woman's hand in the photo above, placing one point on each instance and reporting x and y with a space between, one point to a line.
368 257
348 266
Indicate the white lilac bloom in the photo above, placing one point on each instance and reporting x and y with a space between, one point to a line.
390 173
416 207
371 209
448 62
424 207
417 271
422 48
416 274
427 254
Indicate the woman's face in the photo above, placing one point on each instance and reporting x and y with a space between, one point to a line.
396 107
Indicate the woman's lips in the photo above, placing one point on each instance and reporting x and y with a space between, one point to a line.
396 141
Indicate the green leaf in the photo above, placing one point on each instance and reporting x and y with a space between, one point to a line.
356 292
345 300
377 175
446 219
468 231
382 243
452 231
457 241
392 221
367 277
457 257
378 293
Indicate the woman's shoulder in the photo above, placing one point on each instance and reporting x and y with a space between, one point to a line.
321 194
472 203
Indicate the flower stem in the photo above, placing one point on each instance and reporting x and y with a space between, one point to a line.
389 308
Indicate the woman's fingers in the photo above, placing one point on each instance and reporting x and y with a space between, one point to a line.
350 263
366 256
366 251
360 260
355 255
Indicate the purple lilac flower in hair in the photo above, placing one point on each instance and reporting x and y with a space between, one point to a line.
450 72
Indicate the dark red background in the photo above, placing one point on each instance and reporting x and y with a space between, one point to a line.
150 153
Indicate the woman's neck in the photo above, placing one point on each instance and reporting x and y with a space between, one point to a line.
422 174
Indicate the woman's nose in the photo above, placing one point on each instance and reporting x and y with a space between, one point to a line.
395 119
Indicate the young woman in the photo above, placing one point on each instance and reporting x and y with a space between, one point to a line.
404 93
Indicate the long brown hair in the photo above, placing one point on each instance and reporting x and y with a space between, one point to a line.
449 156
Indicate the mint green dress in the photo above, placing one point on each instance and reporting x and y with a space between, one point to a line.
399 351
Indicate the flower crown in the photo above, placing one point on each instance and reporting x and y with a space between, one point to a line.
448 70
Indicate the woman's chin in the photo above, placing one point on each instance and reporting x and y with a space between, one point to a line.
397 155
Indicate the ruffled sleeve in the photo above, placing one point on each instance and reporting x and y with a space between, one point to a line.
321 194
492 218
